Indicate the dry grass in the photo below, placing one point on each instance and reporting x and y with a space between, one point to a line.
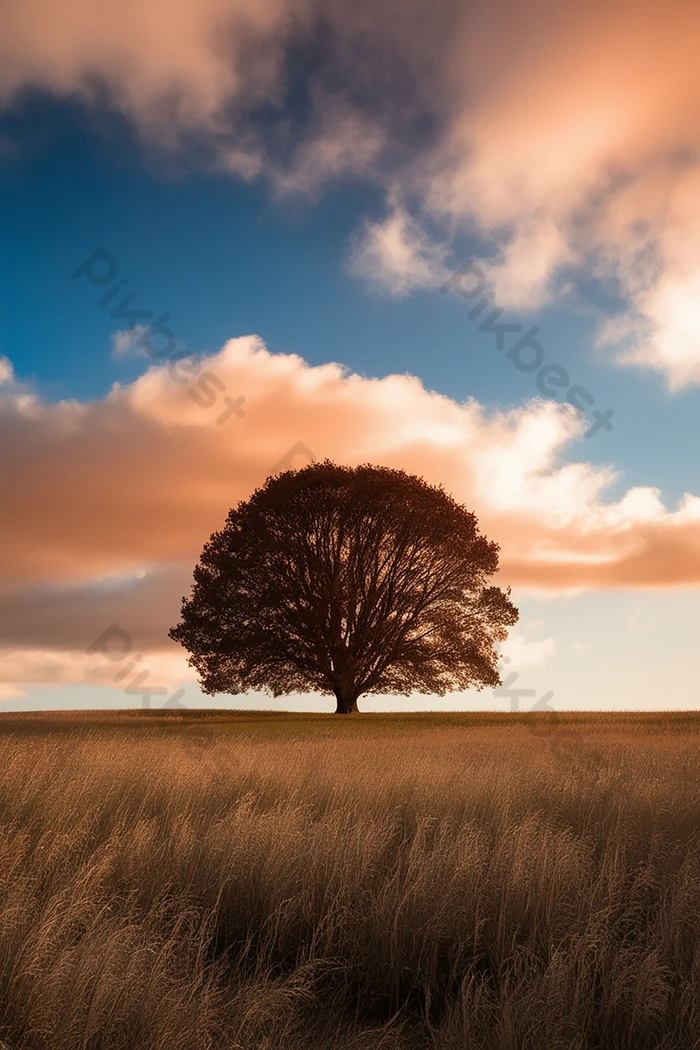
256 881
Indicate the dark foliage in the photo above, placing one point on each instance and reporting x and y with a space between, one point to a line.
346 581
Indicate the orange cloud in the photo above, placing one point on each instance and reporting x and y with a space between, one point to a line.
141 478
570 142
178 64
111 501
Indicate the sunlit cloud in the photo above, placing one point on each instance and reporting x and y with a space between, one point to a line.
564 137
128 343
396 256
6 371
520 653
112 500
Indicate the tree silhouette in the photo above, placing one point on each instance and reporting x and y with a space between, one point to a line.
347 581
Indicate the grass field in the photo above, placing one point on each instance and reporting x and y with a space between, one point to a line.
187 881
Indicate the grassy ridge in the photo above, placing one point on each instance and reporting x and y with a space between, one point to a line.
182 881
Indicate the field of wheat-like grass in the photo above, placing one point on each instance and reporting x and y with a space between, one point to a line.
279 882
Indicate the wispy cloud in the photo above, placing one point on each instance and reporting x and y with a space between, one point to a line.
566 137
6 371
520 653
127 343
396 256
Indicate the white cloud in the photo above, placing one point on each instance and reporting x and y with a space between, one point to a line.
7 375
519 653
397 257
128 343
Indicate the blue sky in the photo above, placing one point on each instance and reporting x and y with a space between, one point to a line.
230 256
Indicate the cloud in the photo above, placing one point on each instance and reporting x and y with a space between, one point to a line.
159 671
58 616
176 67
520 653
397 257
566 137
9 691
112 500
337 143
573 146
127 343
7 375
142 477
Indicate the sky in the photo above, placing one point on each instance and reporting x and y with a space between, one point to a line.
463 240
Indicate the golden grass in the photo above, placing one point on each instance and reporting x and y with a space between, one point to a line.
177 882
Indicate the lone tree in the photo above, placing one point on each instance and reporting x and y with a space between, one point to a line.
347 581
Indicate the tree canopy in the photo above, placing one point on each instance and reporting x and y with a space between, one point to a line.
346 581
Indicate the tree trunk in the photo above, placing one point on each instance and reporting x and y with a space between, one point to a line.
346 702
